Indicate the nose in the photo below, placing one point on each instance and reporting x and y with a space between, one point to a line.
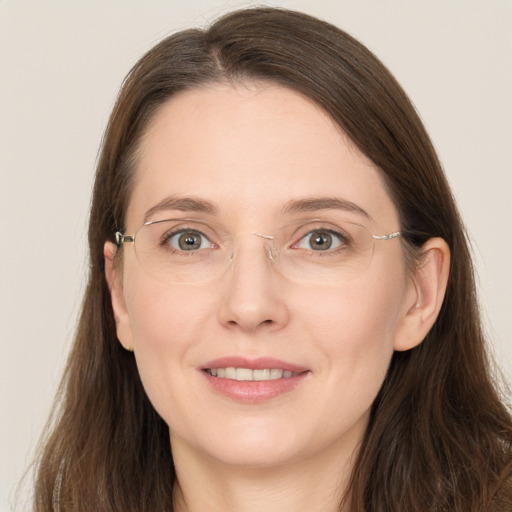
253 292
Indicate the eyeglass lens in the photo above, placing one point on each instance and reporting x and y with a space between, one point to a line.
183 251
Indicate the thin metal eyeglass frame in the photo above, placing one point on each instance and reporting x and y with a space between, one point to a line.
123 239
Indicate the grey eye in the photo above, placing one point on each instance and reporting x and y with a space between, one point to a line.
188 241
320 240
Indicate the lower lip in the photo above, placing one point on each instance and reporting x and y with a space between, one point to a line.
253 392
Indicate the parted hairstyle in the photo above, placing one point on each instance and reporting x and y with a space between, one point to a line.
439 435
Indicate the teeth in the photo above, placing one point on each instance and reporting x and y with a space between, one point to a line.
243 374
230 373
246 374
276 374
261 374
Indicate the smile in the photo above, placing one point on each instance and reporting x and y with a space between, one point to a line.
248 374
253 381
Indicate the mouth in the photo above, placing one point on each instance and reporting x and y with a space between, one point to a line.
253 381
248 374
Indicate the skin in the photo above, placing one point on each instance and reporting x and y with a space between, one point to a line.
250 149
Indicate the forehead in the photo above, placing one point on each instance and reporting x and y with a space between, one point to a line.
249 149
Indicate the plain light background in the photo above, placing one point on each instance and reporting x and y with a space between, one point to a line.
61 65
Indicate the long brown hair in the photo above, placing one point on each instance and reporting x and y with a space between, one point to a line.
439 437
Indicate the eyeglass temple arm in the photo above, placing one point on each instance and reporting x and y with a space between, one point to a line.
386 237
122 239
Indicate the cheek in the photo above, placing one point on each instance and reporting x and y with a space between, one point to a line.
354 331
163 317
354 317
166 324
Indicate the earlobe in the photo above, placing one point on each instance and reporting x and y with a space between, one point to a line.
115 287
428 288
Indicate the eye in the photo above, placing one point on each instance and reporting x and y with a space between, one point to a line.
320 240
188 240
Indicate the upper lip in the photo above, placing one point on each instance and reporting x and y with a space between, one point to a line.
261 363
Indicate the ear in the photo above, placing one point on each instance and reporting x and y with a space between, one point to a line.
115 285
426 294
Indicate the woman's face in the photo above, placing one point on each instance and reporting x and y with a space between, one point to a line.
234 165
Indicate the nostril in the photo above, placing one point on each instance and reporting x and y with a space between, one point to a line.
264 322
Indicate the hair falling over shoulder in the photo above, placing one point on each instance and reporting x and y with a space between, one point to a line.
440 433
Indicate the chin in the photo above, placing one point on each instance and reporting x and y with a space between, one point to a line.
257 454
253 443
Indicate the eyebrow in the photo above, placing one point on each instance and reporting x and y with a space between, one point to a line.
183 204
195 204
323 203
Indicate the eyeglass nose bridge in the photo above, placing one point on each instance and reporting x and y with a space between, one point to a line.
272 251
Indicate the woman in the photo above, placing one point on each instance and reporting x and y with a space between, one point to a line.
281 309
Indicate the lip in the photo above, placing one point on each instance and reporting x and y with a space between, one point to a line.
253 392
254 364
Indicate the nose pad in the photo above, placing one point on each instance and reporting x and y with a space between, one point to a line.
271 250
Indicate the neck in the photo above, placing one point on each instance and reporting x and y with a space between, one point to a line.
311 484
